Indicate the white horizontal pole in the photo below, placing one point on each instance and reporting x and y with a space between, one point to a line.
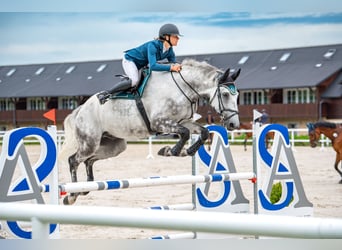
189 235
151 181
214 222
184 206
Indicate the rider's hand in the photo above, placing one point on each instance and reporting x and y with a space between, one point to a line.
176 67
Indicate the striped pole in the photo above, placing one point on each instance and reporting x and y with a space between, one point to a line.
77 187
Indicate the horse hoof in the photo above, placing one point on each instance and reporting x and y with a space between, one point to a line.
183 153
165 151
69 200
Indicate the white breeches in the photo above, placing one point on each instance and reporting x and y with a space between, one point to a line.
131 71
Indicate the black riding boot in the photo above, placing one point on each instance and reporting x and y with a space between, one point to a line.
124 84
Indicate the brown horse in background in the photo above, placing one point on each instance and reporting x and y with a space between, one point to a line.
249 134
333 132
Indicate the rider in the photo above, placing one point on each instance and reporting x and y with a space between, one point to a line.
264 117
147 54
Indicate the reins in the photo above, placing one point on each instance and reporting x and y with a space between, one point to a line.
188 84
192 102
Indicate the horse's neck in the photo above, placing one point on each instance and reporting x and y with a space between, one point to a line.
331 133
200 80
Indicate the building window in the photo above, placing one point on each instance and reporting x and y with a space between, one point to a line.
284 57
243 60
299 96
101 68
247 98
329 53
291 96
6 105
253 97
70 69
68 103
11 72
312 95
35 104
39 71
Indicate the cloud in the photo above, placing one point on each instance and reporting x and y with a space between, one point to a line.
60 37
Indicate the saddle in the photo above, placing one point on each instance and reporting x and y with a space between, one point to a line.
138 90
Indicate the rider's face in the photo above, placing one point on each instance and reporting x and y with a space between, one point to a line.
174 40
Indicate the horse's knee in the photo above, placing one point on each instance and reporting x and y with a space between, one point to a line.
204 134
184 136
184 133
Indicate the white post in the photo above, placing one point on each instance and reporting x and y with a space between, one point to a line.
40 230
53 178
150 154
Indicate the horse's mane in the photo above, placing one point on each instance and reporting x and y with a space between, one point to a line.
325 124
203 66
199 64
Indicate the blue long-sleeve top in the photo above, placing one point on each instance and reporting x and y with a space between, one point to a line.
150 53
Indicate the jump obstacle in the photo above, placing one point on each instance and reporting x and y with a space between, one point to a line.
220 168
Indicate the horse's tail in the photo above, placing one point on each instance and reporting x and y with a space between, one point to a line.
70 143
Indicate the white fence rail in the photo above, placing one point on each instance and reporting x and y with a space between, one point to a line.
213 222
324 141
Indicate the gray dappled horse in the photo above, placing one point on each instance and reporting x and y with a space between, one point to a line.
94 132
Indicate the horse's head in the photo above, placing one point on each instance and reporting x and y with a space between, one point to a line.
224 99
313 134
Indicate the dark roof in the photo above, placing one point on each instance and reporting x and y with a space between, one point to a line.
335 88
305 67
84 80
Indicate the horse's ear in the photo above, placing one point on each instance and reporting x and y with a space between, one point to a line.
236 74
225 75
310 126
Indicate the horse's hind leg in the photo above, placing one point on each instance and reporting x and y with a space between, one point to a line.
89 169
73 166
337 161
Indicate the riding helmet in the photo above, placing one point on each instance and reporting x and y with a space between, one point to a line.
168 29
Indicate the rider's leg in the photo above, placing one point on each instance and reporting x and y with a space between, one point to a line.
124 84
131 71
133 74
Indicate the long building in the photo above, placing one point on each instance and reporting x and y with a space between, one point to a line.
294 85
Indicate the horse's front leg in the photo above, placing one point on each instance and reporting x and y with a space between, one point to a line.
184 135
200 141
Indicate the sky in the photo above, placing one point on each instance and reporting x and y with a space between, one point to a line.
34 32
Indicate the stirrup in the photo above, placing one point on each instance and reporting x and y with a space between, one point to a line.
103 97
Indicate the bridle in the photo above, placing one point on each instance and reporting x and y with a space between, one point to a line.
228 85
232 89
312 132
